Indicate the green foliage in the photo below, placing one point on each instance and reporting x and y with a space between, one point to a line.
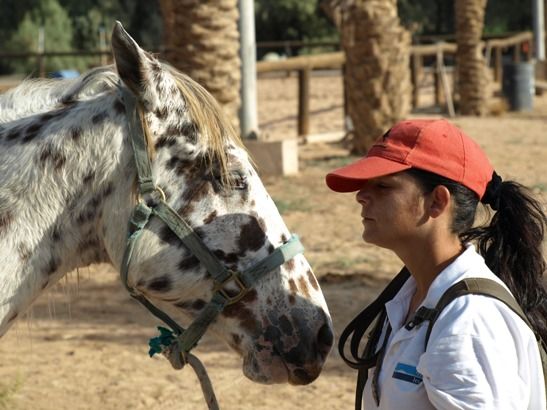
57 28
72 25
141 18
427 16
504 16
437 16
292 20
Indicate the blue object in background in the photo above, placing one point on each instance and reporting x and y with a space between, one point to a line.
64 74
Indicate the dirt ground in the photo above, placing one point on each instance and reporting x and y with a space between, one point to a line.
84 343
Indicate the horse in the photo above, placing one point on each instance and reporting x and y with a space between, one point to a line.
70 181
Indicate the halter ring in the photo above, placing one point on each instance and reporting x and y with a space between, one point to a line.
220 288
156 189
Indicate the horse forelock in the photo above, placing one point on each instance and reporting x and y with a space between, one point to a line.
214 127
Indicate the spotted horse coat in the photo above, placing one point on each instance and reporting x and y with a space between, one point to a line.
67 188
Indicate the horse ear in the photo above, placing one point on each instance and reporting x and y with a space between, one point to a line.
130 59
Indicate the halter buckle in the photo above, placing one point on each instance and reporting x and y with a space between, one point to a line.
234 277
152 196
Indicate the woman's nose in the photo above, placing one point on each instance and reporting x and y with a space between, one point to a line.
362 196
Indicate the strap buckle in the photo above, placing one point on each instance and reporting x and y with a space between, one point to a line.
228 295
422 314
152 197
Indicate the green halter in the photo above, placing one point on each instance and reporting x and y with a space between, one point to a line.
152 203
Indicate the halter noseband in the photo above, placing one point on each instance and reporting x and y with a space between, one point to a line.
152 203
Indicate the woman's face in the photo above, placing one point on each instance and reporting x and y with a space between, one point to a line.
393 210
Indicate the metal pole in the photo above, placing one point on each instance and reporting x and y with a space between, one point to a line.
248 114
539 29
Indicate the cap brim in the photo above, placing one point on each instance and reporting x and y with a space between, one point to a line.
352 177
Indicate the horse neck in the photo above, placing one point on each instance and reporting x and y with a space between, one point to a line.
53 194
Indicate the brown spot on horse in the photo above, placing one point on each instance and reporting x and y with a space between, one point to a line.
312 280
24 252
292 286
192 305
6 219
251 237
304 287
210 218
97 118
161 284
31 132
75 133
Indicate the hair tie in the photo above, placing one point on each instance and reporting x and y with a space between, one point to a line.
492 195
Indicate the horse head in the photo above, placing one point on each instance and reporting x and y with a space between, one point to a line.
281 326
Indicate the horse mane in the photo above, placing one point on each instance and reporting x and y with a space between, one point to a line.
41 95
212 123
45 94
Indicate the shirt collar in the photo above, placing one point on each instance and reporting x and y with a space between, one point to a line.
397 308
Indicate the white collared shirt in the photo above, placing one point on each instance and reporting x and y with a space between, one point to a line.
480 355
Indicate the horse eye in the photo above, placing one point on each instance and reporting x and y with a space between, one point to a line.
239 182
236 181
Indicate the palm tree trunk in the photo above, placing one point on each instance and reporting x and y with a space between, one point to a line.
377 74
202 39
472 73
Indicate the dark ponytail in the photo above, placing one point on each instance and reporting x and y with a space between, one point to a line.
512 247
511 243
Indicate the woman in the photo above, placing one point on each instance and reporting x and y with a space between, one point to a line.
419 187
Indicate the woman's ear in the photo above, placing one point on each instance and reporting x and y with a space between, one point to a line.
439 201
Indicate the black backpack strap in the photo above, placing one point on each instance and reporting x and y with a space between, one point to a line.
475 286
485 287
357 328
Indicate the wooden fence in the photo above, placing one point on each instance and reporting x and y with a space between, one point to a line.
520 44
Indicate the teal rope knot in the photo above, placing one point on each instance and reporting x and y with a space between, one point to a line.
168 344
162 342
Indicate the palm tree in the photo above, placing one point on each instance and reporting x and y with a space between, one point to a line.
202 40
377 75
473 77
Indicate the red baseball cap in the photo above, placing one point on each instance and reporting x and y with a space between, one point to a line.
435 145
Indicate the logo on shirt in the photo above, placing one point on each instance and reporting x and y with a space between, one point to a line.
407 373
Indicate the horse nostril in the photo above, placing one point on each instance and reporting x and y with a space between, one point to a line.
325 339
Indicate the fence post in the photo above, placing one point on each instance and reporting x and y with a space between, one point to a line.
498 69
516 53
344 90
304 101
439 100
415 72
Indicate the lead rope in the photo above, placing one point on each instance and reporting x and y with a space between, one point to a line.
167 344
204 381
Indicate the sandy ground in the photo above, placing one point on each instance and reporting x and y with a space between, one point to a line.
84 343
